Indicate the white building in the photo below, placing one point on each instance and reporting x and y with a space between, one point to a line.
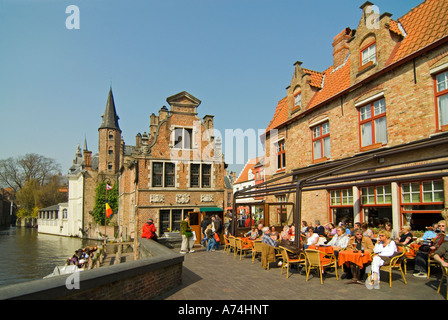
53 220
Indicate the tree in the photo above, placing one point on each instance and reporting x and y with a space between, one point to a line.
27 198
99 210
14 172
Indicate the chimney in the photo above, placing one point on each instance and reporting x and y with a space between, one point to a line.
87 159
340 47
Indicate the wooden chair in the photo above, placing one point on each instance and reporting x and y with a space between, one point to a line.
319 260
409 255
242 247
444 275
226 244
232 245
287 261
431 263
256 249
395 263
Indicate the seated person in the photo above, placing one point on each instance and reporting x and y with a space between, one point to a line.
311 238
405 236
253 234
274 234
431 232
339 241
359 242
284 235
421 258
441 254
267 237
384 250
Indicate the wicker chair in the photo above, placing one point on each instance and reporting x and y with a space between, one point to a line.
226 244
395 263
256 249
431 263
444 276
314 261
287 261
242 247
232 245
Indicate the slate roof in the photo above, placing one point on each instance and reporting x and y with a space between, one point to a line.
110 118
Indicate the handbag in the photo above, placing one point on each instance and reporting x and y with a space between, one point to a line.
216 236
188 233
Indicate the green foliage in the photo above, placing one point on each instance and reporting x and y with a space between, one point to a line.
99 210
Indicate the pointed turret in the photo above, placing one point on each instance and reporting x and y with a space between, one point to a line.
110 118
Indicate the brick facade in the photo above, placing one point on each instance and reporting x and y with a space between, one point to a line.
336 102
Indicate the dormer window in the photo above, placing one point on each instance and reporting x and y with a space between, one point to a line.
368 54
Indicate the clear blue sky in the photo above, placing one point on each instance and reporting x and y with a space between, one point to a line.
236 56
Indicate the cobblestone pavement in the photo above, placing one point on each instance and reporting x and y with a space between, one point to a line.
218 276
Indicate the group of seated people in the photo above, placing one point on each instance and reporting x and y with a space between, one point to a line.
82 257
361 238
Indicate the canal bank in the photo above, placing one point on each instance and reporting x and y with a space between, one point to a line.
26 254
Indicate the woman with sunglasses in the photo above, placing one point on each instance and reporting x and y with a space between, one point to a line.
384 250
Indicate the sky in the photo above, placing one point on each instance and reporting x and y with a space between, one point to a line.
236 56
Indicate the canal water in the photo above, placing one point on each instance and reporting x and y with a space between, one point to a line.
27 255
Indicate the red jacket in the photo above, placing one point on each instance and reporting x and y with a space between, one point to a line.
149 230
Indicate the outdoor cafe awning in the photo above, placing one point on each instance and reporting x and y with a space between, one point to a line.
210 209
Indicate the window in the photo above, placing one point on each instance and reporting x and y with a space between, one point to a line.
422 202
298 100
376 195
163 174
281 155
321 141
64 214
200 175
442 99
170 219
111 151
342 197
111 135
368 54
281 211
109 166
373 125
425 192
183 138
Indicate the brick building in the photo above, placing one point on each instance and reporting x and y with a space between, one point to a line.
366 139
175 169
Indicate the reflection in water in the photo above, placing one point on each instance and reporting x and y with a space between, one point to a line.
26 254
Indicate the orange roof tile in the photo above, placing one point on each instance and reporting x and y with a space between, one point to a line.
395 28
280 115
424 24
335 81
244 175
315 77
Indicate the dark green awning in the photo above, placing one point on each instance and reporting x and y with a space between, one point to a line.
210 209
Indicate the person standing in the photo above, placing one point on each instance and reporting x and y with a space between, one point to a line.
187 236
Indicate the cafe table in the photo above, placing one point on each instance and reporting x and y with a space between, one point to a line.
355 259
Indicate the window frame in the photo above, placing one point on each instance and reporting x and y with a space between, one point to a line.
372 120
201 175
437 95
163 175
370 61
322 136
280 146
298 105
183 141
